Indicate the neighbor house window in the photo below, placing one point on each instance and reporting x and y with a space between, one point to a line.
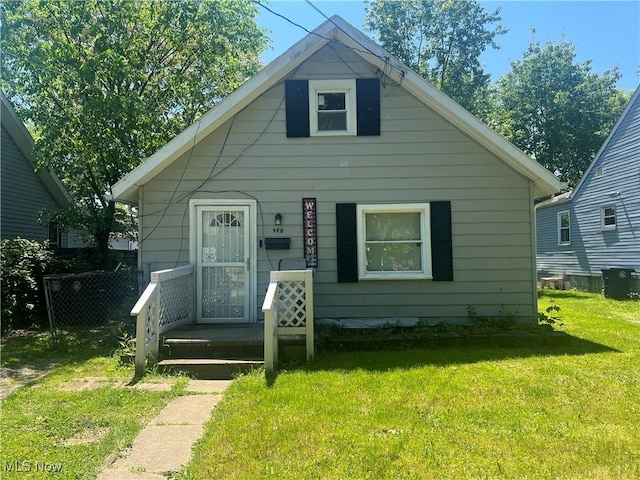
54 235
564 228
608 217
393 241
332 107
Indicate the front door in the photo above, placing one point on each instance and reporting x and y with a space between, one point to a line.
223 262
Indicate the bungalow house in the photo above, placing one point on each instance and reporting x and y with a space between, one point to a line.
337 156
597 225
26 190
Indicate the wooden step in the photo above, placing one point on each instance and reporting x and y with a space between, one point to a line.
209 368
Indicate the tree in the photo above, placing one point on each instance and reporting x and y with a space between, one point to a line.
105 83
442 41
556 110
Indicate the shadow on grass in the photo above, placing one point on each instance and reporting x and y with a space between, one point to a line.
69 346
392 359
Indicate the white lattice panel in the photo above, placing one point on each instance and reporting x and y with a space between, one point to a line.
175 300
292 305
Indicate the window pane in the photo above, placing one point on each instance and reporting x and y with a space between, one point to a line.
394 257
564 235
331 101
609 216
332 121
564 221
222 241
392 226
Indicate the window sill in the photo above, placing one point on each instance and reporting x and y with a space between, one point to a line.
333 133
395 276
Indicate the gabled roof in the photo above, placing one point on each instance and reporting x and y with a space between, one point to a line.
635 98
335 29
24 141
568 196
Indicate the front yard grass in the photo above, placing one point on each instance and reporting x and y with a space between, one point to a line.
56 427
568 412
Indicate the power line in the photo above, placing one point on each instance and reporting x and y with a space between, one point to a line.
385 59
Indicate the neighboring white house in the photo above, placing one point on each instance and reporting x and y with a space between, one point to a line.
406 205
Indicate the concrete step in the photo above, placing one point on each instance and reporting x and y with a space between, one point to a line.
209 368
202 348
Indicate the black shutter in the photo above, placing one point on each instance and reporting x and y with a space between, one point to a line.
368 105
346 242
441 241
297 106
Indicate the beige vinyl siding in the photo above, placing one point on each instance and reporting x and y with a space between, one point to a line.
419 157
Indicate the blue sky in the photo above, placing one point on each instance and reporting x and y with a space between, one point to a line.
605 32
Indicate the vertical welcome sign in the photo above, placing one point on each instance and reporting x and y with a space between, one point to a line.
310 231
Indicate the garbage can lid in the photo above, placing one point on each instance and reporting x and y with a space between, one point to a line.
619 267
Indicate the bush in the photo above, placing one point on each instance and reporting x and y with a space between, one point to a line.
24 262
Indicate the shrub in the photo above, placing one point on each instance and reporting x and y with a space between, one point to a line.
23 262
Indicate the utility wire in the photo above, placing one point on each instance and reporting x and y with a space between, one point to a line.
385 59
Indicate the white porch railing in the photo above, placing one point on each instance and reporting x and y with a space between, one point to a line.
167 302
288 310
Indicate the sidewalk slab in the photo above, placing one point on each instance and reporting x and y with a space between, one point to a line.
112 474
187 410
165 445
208 386
163 448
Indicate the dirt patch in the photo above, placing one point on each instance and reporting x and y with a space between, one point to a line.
89 435
13 378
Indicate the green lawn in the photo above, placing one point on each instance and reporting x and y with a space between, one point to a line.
52 431
569 412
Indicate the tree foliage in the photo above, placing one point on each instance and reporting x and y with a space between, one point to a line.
23 263
556 110
105 83
442 41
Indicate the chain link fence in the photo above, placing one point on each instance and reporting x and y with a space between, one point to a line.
91 299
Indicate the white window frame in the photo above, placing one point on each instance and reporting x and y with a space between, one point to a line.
560 228
348 87
425 232
603 209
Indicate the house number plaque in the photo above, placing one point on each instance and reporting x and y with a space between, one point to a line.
310 231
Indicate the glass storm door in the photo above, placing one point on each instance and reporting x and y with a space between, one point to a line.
223 262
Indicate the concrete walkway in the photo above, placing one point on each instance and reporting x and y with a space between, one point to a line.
164 446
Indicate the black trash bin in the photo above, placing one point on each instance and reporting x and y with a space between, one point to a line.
617 282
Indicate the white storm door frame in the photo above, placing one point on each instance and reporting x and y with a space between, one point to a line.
196 207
